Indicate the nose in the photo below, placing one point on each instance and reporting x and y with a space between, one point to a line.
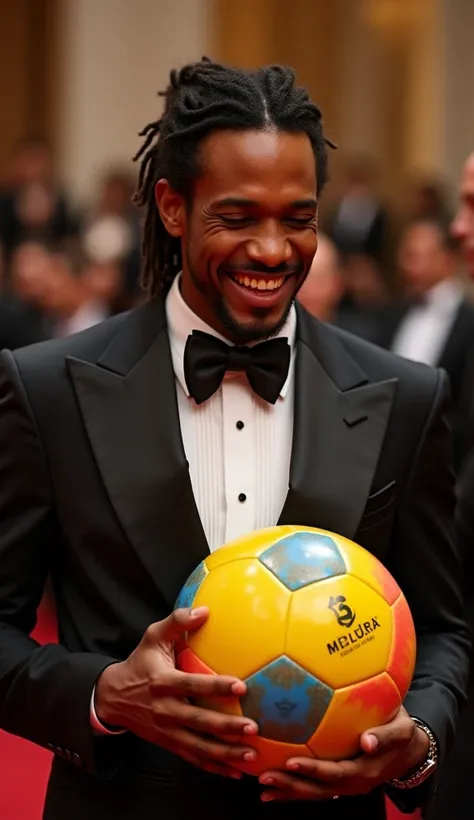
270 247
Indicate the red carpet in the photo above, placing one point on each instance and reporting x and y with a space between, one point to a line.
24 768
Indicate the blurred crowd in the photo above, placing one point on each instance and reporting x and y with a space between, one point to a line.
63 269
395 280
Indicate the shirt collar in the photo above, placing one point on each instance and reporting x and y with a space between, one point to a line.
181 321
446 296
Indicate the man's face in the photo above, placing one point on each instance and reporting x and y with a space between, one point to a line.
249 234
463 224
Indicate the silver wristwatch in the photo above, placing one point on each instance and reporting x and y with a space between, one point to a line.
427 767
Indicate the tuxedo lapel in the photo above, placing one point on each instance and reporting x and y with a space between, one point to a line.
339 427
129 406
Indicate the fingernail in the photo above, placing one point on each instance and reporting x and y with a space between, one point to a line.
236 775
249 729
249 756
292 764
200 610
238 688
372 742
266 781
266 797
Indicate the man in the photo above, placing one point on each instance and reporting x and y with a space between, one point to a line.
435 325
454 798
125 457
323 288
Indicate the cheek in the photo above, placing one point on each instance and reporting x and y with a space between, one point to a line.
306 244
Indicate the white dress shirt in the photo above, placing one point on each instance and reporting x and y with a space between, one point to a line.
424 331
238 446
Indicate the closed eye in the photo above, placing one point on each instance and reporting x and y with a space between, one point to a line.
235 220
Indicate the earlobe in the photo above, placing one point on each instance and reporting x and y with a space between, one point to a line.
171 207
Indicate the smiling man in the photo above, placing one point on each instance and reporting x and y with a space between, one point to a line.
130 451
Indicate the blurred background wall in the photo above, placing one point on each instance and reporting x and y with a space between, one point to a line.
389 74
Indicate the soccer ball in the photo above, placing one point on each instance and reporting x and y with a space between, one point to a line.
316 627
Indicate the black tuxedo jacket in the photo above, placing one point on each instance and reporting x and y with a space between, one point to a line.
95 490
456 359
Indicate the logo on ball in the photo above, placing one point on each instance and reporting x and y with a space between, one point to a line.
343 613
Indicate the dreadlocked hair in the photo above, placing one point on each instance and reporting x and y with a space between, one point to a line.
204 97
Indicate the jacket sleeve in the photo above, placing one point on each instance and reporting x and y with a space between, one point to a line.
45 691
425 560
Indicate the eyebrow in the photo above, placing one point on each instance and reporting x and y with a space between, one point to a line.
240 202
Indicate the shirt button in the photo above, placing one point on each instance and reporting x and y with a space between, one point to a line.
242 497
240 425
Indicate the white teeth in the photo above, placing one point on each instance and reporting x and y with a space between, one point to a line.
259 284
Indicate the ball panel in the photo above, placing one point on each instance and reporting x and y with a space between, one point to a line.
249 546
188 593
187 661
302 558
340 630
271 755
286 702
401 664
352 711
365 566
247 619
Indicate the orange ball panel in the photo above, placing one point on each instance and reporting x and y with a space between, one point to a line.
369 569
402 659
352 711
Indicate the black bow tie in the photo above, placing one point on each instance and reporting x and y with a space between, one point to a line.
206 360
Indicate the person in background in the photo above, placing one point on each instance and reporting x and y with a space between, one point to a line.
434 324
76 295
33 205
358 224
322 290
23 320
112 232
454 798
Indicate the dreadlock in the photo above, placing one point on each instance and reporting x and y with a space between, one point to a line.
204 97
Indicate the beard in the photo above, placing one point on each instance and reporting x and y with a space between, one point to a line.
240 333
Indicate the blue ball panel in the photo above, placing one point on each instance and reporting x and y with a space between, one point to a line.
285 701
188 593
303 558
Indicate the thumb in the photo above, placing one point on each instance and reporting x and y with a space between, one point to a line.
177 624
393 735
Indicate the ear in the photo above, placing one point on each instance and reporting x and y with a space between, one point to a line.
171 207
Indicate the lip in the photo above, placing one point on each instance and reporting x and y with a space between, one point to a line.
260 298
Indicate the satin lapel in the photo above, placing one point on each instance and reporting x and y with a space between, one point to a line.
339 427
129 406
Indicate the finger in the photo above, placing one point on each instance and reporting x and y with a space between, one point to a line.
191 685
326 771
394 735
176 625
207 749
288 787
205 721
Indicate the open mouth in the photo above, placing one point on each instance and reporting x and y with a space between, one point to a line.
254 282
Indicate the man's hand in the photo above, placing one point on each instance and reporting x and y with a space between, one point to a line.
388 752
149 696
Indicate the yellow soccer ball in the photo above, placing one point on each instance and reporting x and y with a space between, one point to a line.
316 627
